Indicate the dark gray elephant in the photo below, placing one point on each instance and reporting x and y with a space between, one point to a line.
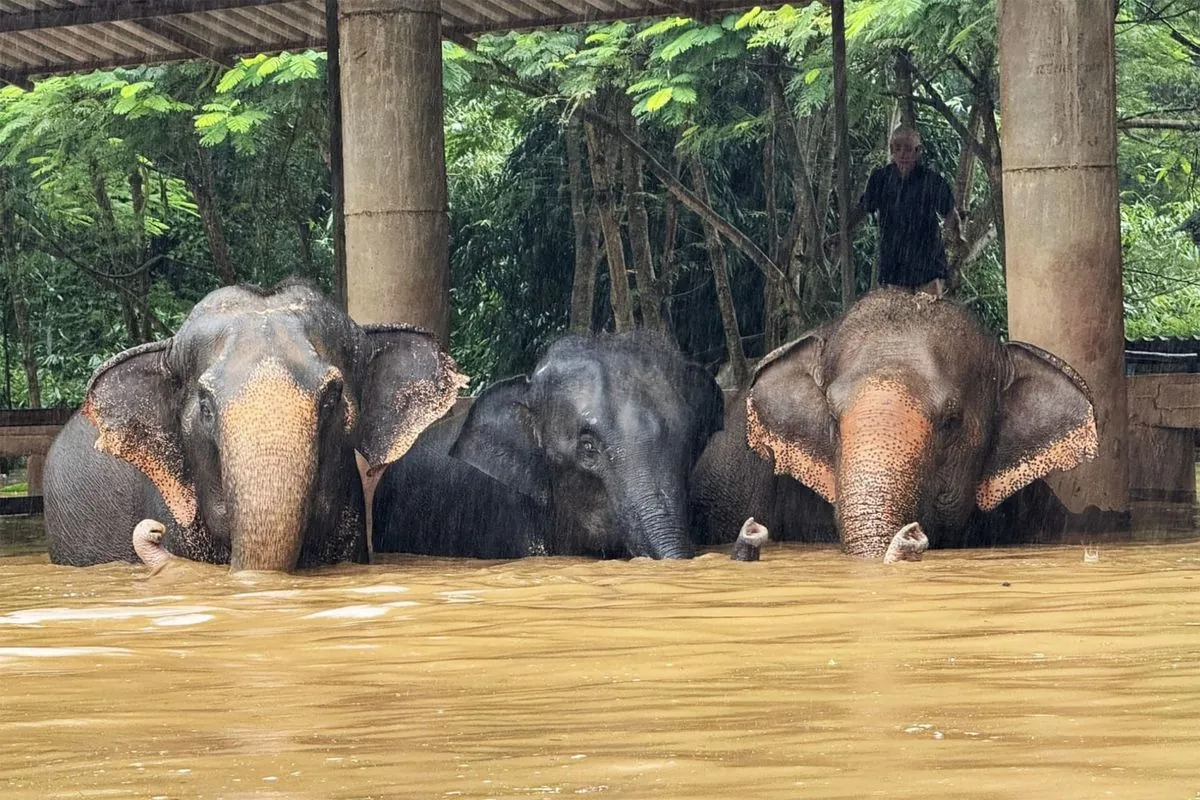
240 432
589 455
903 410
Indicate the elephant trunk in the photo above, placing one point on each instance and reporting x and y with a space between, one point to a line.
885 441
658 524
269 465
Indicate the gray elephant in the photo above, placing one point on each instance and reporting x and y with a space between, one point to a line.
589 455
903 410
240 432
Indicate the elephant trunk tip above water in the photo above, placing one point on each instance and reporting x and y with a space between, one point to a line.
906 410
240 433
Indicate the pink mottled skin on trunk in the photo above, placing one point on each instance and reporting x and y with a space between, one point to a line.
147 535
885 440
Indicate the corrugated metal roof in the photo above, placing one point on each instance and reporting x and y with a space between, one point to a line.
39 37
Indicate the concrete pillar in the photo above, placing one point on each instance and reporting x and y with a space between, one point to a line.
1062 232
397 228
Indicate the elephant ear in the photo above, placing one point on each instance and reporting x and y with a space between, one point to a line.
134 401
787 418
499 438
1046 422
708 404
409 383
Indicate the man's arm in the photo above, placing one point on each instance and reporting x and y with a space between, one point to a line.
867 203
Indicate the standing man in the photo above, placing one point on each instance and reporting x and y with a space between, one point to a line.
909 199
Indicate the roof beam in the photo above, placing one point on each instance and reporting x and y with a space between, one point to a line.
115 11
193 45
220 55
682 8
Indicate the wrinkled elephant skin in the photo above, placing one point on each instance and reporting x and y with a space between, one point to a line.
588 455
240 432
904 410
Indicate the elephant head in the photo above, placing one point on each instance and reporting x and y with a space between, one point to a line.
605 431
907 410
247 419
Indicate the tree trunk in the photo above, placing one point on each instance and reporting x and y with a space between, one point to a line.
583 287
613 245
809 224
963 182
770 295
904 89
20 306
304 236
720 270
670 266
25 336
201 183
735 235
842 128
649 300
333 155
137 260
995 172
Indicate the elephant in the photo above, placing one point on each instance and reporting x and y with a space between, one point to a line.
240 432
903 410
588 456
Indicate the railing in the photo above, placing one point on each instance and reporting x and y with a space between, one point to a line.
29 432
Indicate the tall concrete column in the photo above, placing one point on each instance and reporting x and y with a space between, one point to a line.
1061 216
397 227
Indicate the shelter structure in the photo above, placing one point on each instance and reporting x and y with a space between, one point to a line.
1059 142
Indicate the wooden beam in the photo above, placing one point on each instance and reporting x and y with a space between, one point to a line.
28 440
117 10
683 8
192 44
222 55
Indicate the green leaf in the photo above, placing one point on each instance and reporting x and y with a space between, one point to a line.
268 66
663 26
748 18
683 94
689 39
131 89
211 119
231 79
645 85
811 76
659 99
244 122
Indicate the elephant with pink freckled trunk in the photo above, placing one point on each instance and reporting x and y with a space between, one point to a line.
240 433
904 410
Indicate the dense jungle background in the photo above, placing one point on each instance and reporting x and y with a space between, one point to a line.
125 196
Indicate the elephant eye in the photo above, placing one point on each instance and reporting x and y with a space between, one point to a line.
588 450
950 417
207 409
333 395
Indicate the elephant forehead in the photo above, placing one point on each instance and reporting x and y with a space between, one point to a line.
270 400
238 358
888 402
928 381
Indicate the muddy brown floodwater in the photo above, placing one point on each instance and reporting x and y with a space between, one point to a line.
982 674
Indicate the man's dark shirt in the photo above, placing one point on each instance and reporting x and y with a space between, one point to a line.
910 244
